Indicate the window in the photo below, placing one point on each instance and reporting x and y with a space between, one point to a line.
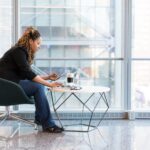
80 35
5 25
141 55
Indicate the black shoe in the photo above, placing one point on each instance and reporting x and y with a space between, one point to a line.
37 122
54 129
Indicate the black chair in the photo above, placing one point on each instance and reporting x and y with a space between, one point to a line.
12 94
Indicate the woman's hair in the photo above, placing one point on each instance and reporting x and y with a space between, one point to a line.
29 33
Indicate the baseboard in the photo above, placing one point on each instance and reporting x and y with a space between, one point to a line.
78 115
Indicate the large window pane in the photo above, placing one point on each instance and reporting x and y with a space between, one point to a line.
89 23
80 29
141 29
140 52
5 25
141 85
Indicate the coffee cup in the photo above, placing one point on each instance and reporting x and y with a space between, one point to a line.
70 78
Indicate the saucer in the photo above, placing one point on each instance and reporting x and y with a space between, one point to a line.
72 87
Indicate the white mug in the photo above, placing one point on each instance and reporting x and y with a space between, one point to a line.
70 78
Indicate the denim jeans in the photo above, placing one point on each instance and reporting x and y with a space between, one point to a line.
42 109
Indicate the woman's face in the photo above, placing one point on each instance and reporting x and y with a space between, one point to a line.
35 45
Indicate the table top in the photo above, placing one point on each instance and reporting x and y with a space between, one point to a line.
84 89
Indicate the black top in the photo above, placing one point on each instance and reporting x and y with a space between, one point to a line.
14 65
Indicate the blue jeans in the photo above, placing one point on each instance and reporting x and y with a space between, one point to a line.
42 109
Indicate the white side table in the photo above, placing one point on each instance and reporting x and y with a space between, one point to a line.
85 89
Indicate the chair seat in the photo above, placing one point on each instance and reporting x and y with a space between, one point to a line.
13 94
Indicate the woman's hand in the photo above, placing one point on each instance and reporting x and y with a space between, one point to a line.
46 83
53 77
56 84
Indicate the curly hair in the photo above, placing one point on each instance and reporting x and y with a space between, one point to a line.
29 33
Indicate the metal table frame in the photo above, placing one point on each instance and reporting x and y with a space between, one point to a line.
102 96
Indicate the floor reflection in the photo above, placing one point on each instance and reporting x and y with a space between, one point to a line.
111 135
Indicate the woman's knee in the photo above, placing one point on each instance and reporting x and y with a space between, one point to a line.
34 86
31 87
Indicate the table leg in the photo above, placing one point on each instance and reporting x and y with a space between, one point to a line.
55 108
102 97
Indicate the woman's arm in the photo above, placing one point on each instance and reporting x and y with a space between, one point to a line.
52 77
46 83
45 77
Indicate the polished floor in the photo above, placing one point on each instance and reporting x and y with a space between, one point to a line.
110 135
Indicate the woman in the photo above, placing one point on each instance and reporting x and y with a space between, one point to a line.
15 65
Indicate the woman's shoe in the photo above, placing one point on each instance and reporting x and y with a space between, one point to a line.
54 129
37 122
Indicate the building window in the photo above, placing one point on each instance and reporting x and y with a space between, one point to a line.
5 25
140 55
79 35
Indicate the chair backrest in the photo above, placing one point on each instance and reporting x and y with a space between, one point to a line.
12 94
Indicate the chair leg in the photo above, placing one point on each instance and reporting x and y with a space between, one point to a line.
13 116
8 115
12 135
4 138
5 115
35 127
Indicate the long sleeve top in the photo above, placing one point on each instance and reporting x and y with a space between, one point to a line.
14 65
